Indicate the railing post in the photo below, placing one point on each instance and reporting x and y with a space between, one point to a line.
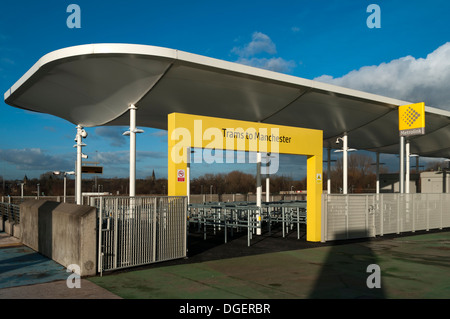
398 213
324 217
442 196
413 214
100 251
381 214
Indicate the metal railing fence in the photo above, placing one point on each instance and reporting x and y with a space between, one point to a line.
17 200
134 231
10 212
246 216
369 215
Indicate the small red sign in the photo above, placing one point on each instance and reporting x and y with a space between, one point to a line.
180 175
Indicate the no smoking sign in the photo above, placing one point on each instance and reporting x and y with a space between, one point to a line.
180 175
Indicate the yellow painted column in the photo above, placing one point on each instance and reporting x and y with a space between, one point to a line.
179 140
314 198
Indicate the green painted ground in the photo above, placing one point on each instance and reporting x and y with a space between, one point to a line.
411 267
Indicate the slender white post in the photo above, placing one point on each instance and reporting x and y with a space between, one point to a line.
329 172
65 186
188 174
268 178
258 191
345 163
407 155
401 176
132 133
79 146
378 174
132 150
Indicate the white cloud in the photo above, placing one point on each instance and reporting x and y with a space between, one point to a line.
408 78
262 44
123 157
159 133
35 159
272 64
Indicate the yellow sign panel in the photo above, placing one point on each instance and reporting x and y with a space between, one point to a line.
187 131
217 133
411 119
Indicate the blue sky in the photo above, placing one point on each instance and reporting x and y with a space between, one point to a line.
328 40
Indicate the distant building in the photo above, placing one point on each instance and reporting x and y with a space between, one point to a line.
433 182
426 182
389 183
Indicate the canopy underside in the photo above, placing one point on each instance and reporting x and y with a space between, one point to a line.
93 85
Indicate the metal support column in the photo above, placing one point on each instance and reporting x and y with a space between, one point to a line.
132 133
81 133
401 176
268 177
329 172
132 150
188 175
407 155
345 164
258 192
378 173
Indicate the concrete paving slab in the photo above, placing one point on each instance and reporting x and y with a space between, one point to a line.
57 290
23 266
7 240
26 274
412 267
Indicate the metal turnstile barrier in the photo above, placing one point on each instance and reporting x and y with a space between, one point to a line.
134 231
239 216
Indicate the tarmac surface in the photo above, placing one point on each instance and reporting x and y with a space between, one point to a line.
410 266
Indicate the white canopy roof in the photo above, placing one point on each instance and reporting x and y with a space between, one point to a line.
93 85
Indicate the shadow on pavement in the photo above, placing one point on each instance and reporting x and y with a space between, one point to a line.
349 272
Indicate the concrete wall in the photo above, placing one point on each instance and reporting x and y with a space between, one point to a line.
10 228
63 232
433 182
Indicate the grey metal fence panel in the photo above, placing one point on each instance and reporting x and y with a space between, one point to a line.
135 231
353 216
10 212
17 200
336 217
390 214
357 217
349 217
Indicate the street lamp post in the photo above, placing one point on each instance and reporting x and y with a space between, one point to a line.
132 134
345 151
189 151
81 133
65 180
